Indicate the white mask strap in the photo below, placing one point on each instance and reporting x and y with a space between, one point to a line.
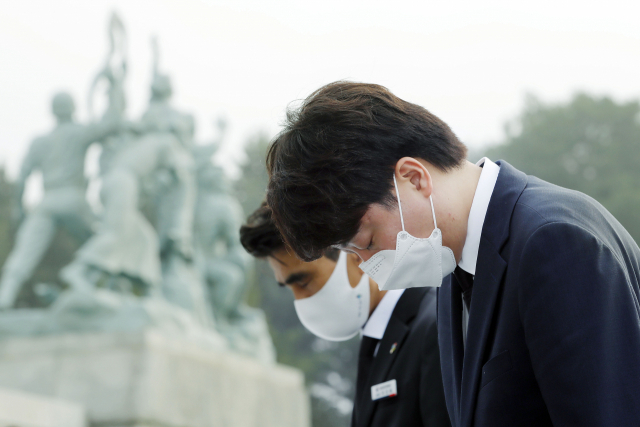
433 211
395 183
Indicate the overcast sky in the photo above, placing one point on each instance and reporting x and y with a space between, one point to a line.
469 62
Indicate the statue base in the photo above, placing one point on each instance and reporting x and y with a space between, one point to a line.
146 378
18 408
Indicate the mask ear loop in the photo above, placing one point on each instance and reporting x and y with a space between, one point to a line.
395 183
433 211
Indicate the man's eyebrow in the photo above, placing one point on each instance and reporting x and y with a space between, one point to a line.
295 277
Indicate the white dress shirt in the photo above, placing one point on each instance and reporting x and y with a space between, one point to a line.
379 319
477 214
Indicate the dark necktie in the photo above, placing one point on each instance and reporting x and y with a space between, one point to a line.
465 280
365 360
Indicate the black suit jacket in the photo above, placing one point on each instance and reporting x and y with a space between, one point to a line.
414 364
554 325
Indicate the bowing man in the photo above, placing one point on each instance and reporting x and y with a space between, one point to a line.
399 382
539 324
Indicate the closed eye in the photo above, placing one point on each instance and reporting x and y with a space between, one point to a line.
301 279
296 284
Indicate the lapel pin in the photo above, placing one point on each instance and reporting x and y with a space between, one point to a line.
393 347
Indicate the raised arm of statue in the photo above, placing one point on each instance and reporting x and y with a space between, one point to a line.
114 72
96 132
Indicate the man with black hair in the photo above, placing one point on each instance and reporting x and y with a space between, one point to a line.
399 381
539 324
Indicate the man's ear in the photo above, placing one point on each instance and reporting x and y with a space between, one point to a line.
413 171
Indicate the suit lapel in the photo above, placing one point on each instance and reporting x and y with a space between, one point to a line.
394 335
486 288
487 283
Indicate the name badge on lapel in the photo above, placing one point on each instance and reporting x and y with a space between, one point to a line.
384 390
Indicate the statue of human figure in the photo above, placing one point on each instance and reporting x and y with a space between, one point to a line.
223 263
124 253
174 204
219 254
173 198
60 157
161 115
125 250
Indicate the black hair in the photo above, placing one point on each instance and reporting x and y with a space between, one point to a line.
261 238
336 156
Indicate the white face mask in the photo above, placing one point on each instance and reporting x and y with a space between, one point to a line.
415 263
337 311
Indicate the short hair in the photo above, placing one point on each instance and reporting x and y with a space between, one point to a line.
261 238
336 156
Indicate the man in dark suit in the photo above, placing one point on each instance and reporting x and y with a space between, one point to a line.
404 354
399 381
539 324
553 327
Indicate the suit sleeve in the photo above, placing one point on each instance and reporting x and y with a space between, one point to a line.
432 404
580 316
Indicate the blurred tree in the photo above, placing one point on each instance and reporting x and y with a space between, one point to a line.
251 188
330 368
589 144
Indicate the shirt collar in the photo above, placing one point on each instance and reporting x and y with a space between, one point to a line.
377 323
479 206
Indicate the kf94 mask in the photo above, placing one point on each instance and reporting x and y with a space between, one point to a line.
337 311
415 262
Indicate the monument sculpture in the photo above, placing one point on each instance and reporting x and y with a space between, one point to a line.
59 156
152 327
124 255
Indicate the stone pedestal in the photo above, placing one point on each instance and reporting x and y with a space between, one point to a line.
147 379
22 409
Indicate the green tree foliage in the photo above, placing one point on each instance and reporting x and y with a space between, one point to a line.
295 346
251 188
589 144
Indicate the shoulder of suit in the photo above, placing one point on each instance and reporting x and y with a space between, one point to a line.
543 203
545 208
